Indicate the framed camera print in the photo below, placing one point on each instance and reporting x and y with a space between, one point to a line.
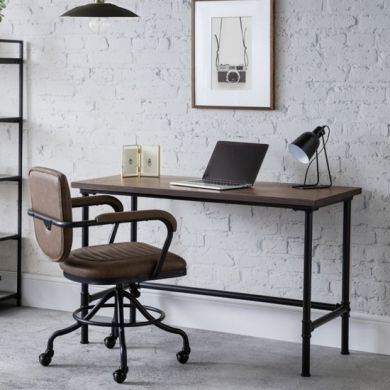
233 54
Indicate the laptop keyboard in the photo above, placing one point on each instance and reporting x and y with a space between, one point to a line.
218 182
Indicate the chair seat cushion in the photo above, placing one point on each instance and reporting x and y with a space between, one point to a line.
120 262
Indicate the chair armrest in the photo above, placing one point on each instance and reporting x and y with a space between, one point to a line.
145 215
117 218
137 216
49 221
98 200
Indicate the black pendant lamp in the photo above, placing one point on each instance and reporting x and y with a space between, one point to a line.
100 9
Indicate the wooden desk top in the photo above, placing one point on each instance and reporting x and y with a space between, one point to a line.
262 194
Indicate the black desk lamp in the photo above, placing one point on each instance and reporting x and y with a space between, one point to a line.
304 148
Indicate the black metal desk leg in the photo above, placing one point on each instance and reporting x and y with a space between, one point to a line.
134 207
346 277
84 296
307 269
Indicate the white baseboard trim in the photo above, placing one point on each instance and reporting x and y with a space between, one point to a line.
367 332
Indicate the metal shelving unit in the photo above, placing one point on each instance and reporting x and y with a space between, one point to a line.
17 177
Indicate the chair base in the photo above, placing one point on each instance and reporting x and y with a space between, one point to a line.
118 326
82 321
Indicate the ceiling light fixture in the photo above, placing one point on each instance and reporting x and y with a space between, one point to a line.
100 9
99 12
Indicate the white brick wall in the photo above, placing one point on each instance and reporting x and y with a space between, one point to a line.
87 95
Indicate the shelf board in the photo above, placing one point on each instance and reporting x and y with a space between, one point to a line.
11 61
7 295
10 120
9 177
8 236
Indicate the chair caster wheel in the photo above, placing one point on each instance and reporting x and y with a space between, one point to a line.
110 342
120 376
45 358
182 356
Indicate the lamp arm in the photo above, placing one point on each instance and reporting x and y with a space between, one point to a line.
318 171
327 161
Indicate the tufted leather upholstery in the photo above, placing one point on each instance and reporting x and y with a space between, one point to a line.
121 261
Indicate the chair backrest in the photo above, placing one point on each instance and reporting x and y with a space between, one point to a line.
50 196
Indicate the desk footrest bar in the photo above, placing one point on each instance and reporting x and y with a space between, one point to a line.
236 295
329 317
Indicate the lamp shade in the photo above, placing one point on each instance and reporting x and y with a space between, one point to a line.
304 147
100 9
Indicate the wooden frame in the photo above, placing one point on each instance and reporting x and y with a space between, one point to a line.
271 100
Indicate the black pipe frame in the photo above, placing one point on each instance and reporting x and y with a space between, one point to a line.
346 275
84 295
308 326
235 295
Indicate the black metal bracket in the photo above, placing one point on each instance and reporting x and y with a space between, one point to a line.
338 312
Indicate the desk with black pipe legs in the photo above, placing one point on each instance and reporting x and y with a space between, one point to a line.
262 194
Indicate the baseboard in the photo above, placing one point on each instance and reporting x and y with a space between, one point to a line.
367 332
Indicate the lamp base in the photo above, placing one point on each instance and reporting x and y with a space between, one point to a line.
311 186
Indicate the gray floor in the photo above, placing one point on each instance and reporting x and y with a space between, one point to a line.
218 360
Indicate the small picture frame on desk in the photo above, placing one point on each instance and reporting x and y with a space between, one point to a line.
141 160
130 161
150 161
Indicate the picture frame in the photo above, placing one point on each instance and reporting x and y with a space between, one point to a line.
233 54
150 161
140 160
130 160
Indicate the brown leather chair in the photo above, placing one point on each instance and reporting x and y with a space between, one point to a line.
123 265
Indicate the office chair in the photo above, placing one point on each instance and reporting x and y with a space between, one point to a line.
122 265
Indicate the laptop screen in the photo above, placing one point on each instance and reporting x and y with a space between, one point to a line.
236 161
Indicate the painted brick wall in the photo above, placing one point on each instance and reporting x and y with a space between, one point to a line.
87 95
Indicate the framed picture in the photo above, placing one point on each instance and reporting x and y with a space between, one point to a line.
150 161
130 161
233 54
140 160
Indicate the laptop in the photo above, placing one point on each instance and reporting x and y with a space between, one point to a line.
232 165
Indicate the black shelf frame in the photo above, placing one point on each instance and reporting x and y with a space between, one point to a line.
17 236
11 61
11 120
8 236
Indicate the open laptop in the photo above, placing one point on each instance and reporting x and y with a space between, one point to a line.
232 165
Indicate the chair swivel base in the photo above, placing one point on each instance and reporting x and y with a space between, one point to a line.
117 326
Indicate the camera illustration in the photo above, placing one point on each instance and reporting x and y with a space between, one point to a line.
232 74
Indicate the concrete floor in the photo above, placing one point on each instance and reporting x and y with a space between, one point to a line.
218 360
